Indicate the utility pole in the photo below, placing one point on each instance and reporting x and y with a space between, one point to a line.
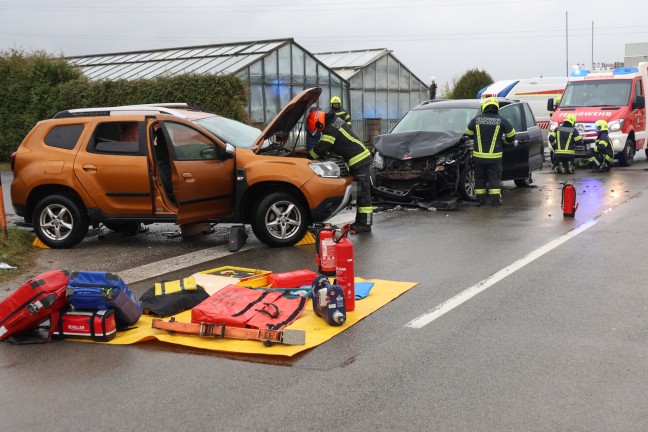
592 45
566 44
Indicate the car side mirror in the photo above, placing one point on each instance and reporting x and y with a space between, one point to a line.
230 150
639 103
550 104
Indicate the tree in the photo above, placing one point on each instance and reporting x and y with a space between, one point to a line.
470 83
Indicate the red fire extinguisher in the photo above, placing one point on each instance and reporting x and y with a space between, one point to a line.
344 266
325 250
569 204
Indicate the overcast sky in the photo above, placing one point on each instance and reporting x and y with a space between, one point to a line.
508 39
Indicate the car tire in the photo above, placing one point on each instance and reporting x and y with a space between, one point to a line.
524 182
280 219
60 221
466 186
626 156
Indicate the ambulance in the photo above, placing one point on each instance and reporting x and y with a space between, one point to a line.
533 91
616 96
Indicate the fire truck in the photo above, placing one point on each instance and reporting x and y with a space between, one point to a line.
616 96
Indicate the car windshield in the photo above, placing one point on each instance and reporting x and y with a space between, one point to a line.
231 131
596 93
436 120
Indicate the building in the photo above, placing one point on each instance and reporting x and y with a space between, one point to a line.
373 84
635 53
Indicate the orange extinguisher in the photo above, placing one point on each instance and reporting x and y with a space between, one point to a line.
325 250
569 204
344 266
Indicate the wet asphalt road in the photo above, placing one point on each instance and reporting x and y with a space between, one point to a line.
559 344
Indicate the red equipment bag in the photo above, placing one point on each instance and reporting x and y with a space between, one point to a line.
569 204
98 325
293 279
252 308
33 302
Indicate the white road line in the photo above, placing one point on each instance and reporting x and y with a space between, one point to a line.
471 292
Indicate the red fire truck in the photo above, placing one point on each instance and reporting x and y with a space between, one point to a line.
616 96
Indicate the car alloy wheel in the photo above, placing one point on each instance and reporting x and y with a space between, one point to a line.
280 219
60 222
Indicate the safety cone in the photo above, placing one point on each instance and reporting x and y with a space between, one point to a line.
39 244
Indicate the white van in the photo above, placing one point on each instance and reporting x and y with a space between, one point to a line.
534 91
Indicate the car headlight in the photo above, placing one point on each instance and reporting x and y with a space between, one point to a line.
615 125
552 126
325 169
378 161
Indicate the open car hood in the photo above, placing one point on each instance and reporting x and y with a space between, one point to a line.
279 128
412 145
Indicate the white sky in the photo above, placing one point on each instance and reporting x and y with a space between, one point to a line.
509 39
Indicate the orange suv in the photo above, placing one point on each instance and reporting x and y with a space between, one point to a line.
171 163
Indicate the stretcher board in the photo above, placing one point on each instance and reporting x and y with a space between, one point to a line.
317 330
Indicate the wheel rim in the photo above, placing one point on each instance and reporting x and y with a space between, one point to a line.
283 219
56 222
469 183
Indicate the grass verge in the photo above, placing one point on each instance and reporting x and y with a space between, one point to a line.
17 251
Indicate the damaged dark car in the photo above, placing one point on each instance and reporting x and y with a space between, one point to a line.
426 156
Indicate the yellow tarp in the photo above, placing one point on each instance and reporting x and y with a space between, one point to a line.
317 330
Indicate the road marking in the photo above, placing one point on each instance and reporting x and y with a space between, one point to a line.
471 292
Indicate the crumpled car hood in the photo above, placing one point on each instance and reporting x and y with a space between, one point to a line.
412 145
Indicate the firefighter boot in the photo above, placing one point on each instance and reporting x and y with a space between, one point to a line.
496 200
481 199
560 168
362 223
570 167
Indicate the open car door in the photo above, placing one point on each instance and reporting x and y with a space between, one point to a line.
202 172
515 160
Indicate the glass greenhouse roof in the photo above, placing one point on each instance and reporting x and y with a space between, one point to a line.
201 60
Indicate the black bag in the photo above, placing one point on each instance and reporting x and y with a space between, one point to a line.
169 298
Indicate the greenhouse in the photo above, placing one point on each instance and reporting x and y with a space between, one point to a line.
275 70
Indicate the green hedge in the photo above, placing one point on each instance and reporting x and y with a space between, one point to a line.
35 86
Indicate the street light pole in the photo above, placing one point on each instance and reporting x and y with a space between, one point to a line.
566 44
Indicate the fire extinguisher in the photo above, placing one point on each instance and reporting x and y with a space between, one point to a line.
569 204
344 266
325 250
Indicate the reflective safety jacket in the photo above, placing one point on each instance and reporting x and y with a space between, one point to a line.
486 130
339 138
604 146
564 139
342 114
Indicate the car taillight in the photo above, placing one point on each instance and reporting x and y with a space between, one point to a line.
13 161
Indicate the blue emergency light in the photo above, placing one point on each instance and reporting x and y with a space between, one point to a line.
580 72
625 70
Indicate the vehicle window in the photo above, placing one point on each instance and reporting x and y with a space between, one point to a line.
436 120
638 89
64 137
189 144
513 114
230 131
117 138
596 93
528 115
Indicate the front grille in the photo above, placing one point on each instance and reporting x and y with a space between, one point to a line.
344 168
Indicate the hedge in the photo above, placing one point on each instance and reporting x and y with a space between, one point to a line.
35 86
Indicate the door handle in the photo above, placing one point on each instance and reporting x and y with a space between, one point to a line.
188 177
89 168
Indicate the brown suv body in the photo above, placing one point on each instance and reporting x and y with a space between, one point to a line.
122 167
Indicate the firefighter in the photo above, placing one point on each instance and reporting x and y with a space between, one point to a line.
602 154
336 108
563 140
338 137
486 131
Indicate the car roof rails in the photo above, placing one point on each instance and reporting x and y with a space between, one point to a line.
160 108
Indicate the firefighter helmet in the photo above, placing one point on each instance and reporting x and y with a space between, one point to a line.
571 118
601 125
315 121
557 100
336 100
488 102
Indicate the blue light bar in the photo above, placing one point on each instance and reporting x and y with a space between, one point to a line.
625 70
580 72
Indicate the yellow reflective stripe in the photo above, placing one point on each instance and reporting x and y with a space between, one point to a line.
564 152
492 147
510 134
608 158
355 159
365 209
480 191
313 154
351 138
469 132
328 138
494 191
487 155
578 138
479 146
